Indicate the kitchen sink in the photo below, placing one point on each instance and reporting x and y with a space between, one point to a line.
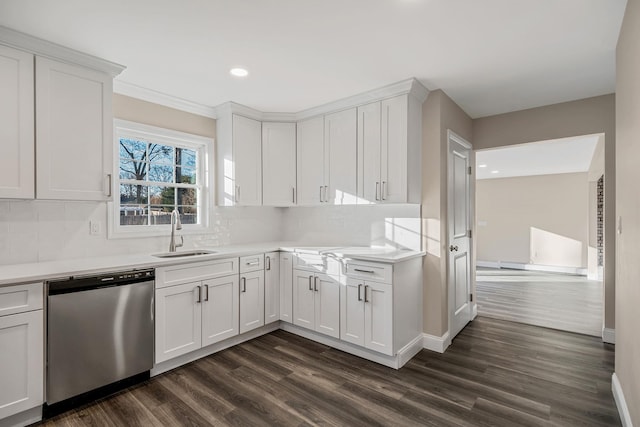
182 254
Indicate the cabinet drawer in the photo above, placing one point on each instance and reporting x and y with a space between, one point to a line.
21 298
177 274
316 263
251 263
370 271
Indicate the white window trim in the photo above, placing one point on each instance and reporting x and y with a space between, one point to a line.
124 128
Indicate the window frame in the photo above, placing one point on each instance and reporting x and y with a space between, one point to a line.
204 176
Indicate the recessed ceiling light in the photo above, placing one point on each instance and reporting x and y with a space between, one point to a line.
495 171
239 72
482 166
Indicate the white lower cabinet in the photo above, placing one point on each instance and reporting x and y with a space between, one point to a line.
316 302
251 300
367 315
286 287
22 344
220 309
271 287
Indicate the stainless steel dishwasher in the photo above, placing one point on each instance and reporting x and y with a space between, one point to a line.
99 336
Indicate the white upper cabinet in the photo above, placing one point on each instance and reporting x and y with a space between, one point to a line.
388 147
74 130
278 164
310 161
16 124
247 160
340 134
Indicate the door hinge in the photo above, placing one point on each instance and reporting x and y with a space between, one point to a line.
471 297
469 233
469 170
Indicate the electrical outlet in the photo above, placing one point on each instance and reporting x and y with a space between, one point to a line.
95 227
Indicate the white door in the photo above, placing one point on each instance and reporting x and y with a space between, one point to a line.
459 224
340 133
21 362
220 308
278 164
247 159
271 287
251 300
378 317
286 287
17 172
352 312
303 299
327 304
74 132
310 161
369 152
393 171
178 320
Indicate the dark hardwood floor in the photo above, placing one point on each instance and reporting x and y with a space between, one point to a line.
496 373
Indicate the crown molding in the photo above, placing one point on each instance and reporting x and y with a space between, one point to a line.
40 47
149 95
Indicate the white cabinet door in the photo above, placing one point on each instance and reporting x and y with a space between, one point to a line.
247 159
327 305
394 150
278 164
310 161
378 320
352 312
178 320
74 132
271 287
369 139
340 133
17 172
286 287
220 307
21 362
251 300
303 299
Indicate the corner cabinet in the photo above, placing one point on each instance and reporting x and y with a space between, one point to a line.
311 161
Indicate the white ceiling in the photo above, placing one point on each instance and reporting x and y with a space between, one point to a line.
566 155
490 56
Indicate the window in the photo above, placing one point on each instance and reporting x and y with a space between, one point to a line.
158 171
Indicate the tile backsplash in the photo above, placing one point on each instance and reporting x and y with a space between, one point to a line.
37 230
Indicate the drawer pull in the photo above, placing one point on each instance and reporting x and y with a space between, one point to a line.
359 270
253 263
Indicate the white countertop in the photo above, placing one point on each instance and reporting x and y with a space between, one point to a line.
34 272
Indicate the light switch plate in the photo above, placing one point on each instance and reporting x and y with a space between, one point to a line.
95 227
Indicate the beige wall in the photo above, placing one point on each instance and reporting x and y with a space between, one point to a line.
628 208
541 220
439 114
583 117
136 110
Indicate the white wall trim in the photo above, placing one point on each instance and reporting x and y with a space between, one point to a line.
144 94
532 267
621 403
435 343
474 311
407 352
37 46
25 418
609 335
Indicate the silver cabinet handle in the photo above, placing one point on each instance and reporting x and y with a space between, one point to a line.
359 296
363 271
268 263
206 297
315 283
310 286
109 184
365 293
293 194
377 189
326 193
236 194
382 193
321 194
199 294
244 284
253 263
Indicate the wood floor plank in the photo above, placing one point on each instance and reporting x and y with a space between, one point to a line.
495 373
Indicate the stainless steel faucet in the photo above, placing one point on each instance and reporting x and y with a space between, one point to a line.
175 225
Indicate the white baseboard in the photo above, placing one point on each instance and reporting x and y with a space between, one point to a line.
532 267
435 343
25 418
621 403
609 335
